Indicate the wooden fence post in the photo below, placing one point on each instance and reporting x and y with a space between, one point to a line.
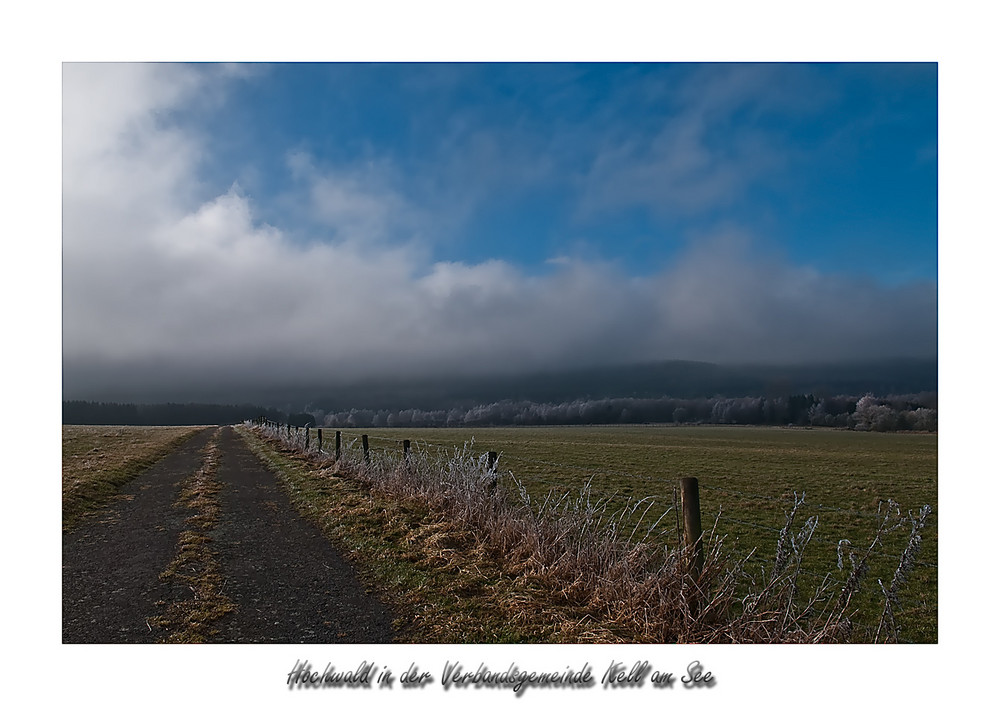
491 460
691 508
364 445
336 446
406 449
319 440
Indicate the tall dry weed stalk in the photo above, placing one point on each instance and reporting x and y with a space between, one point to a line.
592 556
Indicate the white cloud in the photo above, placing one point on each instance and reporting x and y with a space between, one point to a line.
359 202
169 288
722 302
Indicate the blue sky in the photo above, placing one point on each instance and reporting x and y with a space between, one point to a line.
833 165
355 220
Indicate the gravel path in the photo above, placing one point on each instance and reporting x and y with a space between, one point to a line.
112 563
289 584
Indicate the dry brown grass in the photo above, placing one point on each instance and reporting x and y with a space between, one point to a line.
195 567
98 460
444 584
749 477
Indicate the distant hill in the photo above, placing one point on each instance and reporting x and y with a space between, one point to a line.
674 379
680 379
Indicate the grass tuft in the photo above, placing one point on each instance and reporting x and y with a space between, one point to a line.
192 619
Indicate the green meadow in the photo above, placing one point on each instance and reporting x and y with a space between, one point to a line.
748 477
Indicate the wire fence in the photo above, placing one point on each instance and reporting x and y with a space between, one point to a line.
777 502
307 439
422 445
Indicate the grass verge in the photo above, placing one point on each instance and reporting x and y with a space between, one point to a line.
443 585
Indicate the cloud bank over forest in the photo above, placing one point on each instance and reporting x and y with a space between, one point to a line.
174 287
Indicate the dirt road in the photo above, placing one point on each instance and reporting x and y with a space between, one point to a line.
287 583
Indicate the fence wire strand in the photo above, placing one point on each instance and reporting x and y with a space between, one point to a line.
604 472
420 445
778 501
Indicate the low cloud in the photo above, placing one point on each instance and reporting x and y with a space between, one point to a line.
174 293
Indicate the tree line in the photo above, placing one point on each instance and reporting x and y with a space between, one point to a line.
916 412
167 414
868 413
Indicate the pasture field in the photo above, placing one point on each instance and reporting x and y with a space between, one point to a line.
97 460
748 479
